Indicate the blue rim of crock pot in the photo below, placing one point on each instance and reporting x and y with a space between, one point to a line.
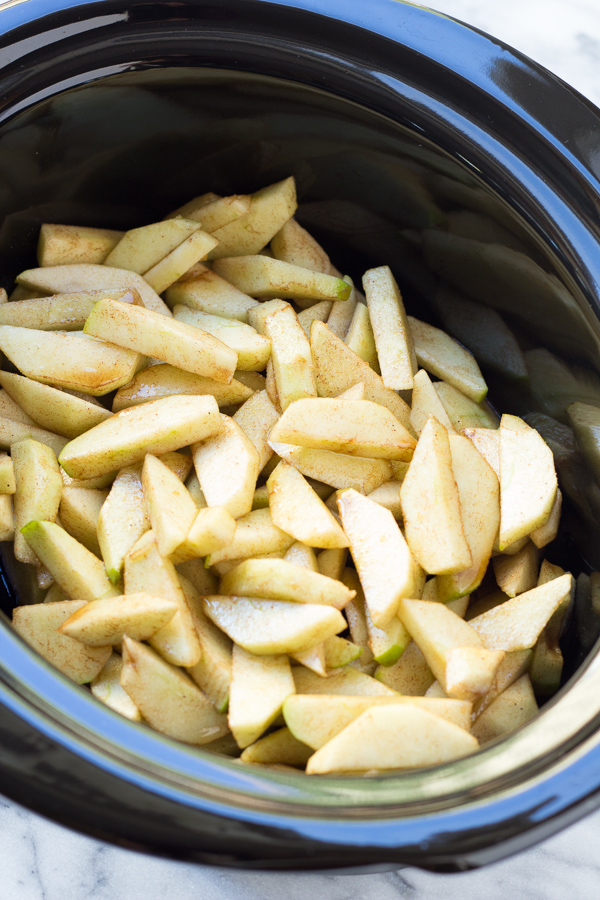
539 795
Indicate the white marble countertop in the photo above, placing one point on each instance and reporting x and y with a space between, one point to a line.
42 861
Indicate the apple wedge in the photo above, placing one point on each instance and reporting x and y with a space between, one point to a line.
158 382
146 571
79 513
454 651
38 624
517 624
106 687
528 483
297 510
464 412
206 291
259 687
315 719
479 498
170 507
61 312
11 432
519 573
255 535
347 681
156 427
279 747
227 465
356 427
426 403
338 368
51 408
335 469
141 248
302 555
514 707
60 245
360 338
276 579
410 675
167 698
445 358
372 742
382 558
175 343
104 622
176 263
266 627
269 279
293 244
431 506
68 279
317 312
38 491
213 211
393 339
487 442
70 359
253 350
122 520
291 358
78 572
256 417
270 209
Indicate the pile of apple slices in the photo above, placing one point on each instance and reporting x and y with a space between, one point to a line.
332 566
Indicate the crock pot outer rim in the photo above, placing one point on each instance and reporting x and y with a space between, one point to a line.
86 739
549 805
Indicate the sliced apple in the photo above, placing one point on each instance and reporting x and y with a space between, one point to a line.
338 368
296 509
356 427
360 338
479 498
38 491
371 742
106 687
79 573
175 343
335 469
279 747
61 312
227 466
528 481
255 535
259 687
51 408
381 555
79 513
517 624
204 290
519 573
276 579
346 681
293 244
106 621
425 403
269 279
410 675
393 339
85 277
431 506
69 359
514 707
268 627
156 427
162 381
38 624
170 507
315 719
60 245
270 209
167 698
253 350
146 571
445 358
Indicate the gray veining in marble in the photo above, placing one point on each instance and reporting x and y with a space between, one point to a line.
42 861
